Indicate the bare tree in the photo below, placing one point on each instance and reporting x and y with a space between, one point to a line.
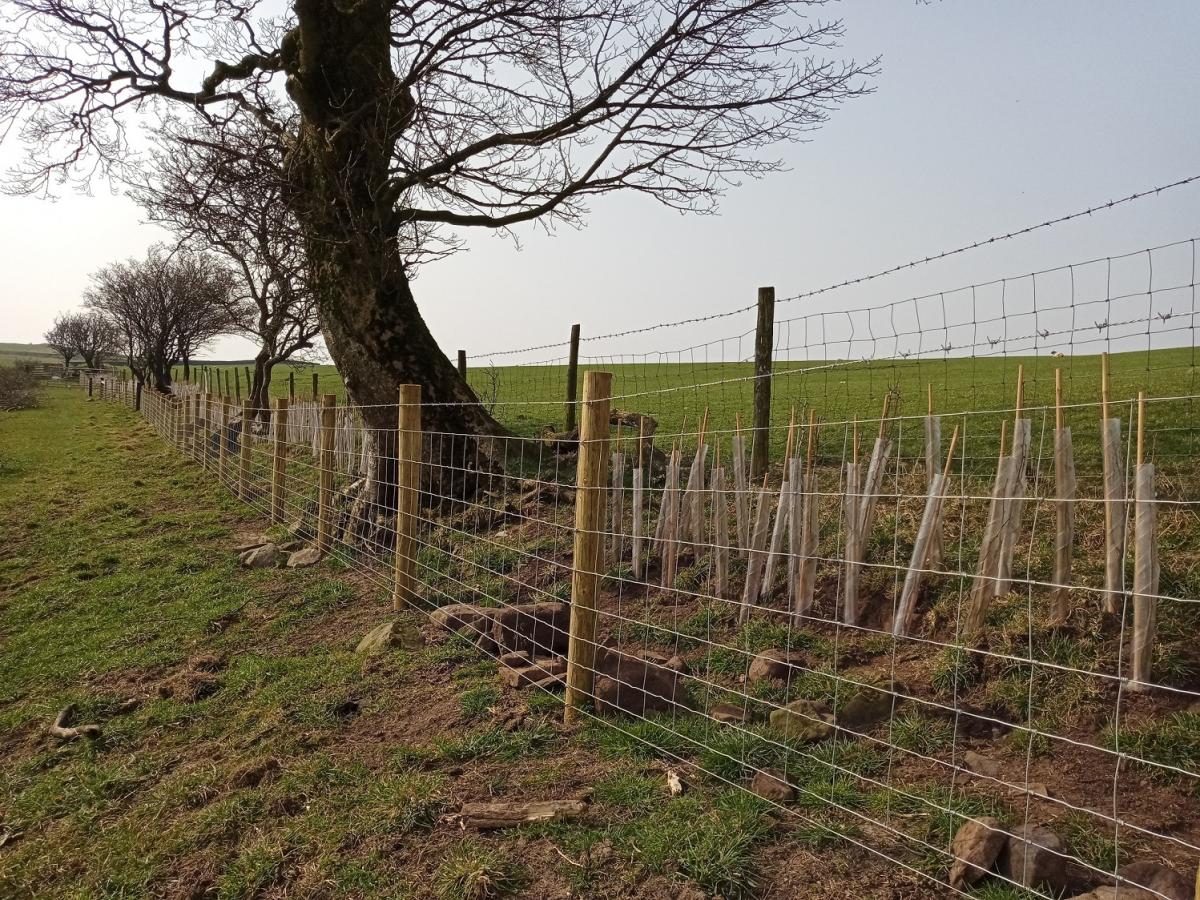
438 113
223 190
164 308
94 336
61 339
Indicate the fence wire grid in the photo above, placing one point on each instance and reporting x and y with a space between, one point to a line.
959 580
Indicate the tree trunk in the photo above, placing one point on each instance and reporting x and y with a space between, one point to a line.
352 110
260 389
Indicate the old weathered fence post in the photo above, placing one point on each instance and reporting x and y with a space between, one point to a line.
315 387
244 452
137 397
222 447
292 386
462 364
325 496
279 460
572 378
89 387
760 453
590 482
237 384
408 490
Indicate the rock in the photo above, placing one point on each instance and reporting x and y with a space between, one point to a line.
515 660
391 634
729 713
771 784
774 664
291 546
635 685
301 559
250 541
536 628
540 669
1155 878
1035 858
872 704
265 557
549 683
459 616
976 846
803 720
980 764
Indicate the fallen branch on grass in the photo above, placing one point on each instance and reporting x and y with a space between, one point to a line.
61 730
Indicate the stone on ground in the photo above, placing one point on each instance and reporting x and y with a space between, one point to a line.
265 557
872 704
307 556
250 541
803 720
391 634
773 665
1155 878
636 686
976 847
729 713
771 784
1036 858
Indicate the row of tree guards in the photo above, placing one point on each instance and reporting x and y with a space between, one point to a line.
777 531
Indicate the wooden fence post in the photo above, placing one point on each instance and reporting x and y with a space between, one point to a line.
462 364
279 460
573 378
244 452
760 452
325 495
137 397
590 482
315 388
89 387
408 486
1145 563
237 383
222 448
292 385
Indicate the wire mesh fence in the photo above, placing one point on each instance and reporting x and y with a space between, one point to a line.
941 603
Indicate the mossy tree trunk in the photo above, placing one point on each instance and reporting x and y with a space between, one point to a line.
352 110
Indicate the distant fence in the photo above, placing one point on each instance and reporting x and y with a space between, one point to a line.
923 575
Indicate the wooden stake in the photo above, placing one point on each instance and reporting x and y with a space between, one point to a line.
760 454
590 483
720 511
408 492
279 461
223 448
326 466
572 379
758 546
639 489
244 452
741 492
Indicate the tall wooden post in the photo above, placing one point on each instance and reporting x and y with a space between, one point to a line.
223 441
279 460
591 479
194 430
250 386
315 388
1145 562
325 495
244 452
237 383
408 486
292 385
137 397
764 338
462 364
89 387
573 378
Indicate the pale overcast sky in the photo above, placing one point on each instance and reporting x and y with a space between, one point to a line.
987 117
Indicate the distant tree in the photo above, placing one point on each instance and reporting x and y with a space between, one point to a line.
163 308
94 335
222 190
62 340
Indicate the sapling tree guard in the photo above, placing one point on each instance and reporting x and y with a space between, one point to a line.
428 115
